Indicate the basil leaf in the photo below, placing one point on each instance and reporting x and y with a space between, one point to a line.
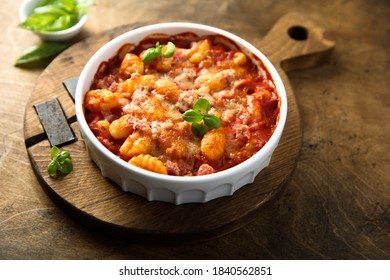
52 168
41 53
157 51
202 104
61 23
193 116
49 9
151 54
60 161
212 121
66 166
64 155
199 129
47 2
54 151
38 22
170 50
68 5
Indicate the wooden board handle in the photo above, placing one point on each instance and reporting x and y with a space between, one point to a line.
295 42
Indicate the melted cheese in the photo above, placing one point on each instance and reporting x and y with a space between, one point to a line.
237 89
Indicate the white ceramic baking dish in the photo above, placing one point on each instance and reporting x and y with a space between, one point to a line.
174 189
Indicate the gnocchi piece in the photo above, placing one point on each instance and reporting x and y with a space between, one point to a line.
239 59
102 128
121 128
122 102
200 52
131 64
266 95
213 144
177 149
136 144
100 100
152 109
164 65
254 107
150 163
130 85
168 88
243 87
215 82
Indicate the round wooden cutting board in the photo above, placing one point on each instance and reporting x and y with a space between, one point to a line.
294 42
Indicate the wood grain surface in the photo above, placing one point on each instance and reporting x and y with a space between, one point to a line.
336 204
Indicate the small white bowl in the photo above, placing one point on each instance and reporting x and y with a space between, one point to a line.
26 9
174 189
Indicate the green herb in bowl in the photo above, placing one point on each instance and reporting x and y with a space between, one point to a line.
56 15
200 120
157 51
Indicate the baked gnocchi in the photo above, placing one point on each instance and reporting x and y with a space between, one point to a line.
135 108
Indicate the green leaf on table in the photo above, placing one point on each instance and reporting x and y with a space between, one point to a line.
52 168
40 54
54 152
62 156
66 166
60 162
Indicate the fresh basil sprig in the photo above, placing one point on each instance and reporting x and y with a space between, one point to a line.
60 162
153 53
201 122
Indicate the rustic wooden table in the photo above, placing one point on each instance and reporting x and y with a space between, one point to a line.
335 206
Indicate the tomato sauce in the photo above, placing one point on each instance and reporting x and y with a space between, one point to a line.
136 108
